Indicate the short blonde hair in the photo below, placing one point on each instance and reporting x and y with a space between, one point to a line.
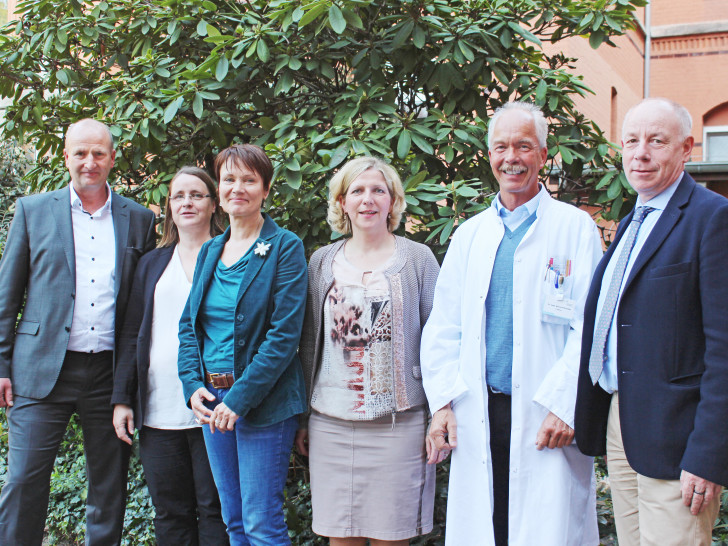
339 185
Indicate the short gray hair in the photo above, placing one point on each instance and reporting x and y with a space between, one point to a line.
681 114
539 120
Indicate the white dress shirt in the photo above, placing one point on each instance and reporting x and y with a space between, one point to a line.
608 379
92 328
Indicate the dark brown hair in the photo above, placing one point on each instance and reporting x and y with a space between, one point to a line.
249 155
170 235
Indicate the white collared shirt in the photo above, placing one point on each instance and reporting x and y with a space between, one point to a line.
92 328
608 379
514 218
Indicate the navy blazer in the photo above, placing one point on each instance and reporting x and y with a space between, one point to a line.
38 277
672 345
268 319
132 362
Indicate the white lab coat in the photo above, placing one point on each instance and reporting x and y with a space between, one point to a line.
552 492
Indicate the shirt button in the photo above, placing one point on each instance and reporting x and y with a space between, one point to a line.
93 259
92 328
240 318
517 386
68 328
241 342
92 237
92 305
93 280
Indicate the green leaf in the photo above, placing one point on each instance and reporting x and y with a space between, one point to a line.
566 155
162 72
404 143
197 106
596 39
262 50
336 19
615 189
221 69
311 15
518 29
418 37
339 155
605 180
422 143
202 27
171 109
62 36
467 191
541 89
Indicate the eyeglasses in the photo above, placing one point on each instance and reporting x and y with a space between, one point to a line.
180 197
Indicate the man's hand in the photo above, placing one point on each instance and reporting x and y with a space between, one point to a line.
554 433
697 493
6 392
442 436
124 422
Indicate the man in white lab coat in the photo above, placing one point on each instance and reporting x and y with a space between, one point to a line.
500 355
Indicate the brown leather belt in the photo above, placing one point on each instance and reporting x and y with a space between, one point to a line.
220 380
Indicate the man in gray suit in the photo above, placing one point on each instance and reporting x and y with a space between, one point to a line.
66 270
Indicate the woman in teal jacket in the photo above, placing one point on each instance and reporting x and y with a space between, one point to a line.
238 364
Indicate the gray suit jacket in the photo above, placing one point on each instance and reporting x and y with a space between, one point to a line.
38 279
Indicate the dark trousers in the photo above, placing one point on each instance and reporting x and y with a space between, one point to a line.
35 431
499 416
183 491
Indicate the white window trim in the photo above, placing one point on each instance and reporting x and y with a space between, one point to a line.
707 130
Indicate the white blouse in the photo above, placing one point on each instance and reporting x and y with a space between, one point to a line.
356 381
166 408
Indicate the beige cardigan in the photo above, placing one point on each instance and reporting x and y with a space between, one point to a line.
411 277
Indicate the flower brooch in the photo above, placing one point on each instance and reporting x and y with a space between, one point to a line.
261 249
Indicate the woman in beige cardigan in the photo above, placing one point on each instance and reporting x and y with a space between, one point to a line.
368 298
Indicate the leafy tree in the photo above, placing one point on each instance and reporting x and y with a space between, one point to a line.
314 83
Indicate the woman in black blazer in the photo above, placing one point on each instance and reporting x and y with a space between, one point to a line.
147 392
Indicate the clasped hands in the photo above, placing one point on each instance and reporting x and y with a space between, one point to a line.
222 418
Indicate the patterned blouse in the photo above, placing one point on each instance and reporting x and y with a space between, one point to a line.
356 379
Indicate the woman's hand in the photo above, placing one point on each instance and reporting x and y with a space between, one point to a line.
222 418
302 441
123 420
197 403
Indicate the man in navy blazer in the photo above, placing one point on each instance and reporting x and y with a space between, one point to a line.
66 270
653 383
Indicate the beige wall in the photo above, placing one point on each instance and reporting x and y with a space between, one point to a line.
673 12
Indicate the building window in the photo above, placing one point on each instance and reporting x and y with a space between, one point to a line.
716 144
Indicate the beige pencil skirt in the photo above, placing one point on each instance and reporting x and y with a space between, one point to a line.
369 479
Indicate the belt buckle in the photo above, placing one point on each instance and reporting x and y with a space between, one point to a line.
213 379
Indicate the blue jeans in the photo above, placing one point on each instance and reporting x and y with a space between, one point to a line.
250 465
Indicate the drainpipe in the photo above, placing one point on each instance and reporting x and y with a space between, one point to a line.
648 49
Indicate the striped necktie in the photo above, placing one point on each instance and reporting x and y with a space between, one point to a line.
601 332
